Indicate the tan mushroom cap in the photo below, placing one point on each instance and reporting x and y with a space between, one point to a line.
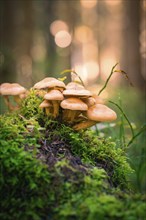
77 93
73 104
54 95
11 89
89 101
101 113
3 87
74 85
98 99
49 82
45 104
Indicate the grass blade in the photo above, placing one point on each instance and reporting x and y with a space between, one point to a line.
105 85
131 128
142 129
114 71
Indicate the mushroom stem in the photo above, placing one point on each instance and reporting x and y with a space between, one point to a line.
84 125
6 99
7 102
65 114
48 111
71 115
55 108
17 99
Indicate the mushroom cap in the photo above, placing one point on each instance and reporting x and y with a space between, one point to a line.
3 87
54 95
73 104
49 82
45 104
74 85
11 89
89 101
77 93
98 99
100 112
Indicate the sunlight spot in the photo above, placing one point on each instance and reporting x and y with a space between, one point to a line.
113 2
63 39
83 34
57 26
88 3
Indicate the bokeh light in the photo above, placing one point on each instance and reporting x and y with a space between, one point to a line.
107 62
57 26
81 71
92 69
112 2
88 3
83 34
88 71
63 39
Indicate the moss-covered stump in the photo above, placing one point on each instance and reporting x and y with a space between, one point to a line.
49 171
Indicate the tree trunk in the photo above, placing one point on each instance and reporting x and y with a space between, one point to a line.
130 54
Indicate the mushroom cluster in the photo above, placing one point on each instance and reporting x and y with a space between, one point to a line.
77 105
72 103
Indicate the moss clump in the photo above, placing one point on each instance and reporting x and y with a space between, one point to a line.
49 171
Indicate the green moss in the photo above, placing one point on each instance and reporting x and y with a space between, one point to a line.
49 171
30 105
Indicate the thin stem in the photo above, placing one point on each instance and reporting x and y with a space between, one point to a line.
105 85
122 130
55 108
73 71
132 131
115 71
142 129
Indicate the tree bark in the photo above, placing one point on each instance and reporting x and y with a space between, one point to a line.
130 54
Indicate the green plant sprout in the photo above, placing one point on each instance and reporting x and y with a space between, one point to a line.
72 71
114 71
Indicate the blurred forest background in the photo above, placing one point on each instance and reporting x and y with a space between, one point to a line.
40 38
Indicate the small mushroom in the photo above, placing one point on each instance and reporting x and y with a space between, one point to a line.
3 89
97 113
49 83
12 89
74 86
89 101
54 96
77 93
98 99
47 106
72 107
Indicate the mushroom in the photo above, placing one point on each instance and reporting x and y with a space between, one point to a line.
3 89
72 107
47 106
12 89
74 85
50 83
55 96
97 113
77 93
89 101
98 99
